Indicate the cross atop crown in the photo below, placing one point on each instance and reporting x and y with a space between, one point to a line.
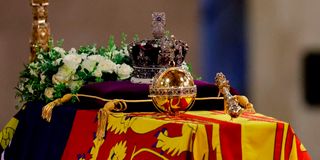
158 24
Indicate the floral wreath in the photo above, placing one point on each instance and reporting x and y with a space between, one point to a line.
56 72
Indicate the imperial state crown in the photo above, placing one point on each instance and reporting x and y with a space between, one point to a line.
149 56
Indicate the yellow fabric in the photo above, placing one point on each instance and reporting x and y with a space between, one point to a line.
118 151
201 146
302 148
176 145
252 133
216 141
95 149
294 153
119 124
140 126
7 132
285 131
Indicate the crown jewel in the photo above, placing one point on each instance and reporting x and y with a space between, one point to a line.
150 56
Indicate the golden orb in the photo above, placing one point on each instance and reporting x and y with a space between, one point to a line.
173 90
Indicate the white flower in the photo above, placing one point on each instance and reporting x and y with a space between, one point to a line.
83 55
88 64
75 85
42 77
94 50
63 75
123 71
107 66
91 61
29 87
60 50
72 51
57 61
97 73
97 58
40 56
125 52
74 77
116 52
72 61
48 92
104 65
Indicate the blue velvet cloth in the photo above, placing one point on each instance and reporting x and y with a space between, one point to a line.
37 139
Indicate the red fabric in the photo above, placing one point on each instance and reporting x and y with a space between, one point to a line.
212 155
144 145
302 155
82 135
138 141
230 136
289 142
278 141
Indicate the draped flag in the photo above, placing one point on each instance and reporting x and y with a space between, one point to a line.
7 134
37 139
191 135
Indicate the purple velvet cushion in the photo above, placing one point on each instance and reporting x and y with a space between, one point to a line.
128 90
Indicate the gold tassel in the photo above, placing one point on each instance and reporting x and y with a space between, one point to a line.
103 114
47 110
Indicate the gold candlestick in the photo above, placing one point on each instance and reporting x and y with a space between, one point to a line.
40 27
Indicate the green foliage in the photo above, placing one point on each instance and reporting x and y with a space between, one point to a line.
189 68
123 40
60 43
60 90
136 38
167 33
56 72
111 45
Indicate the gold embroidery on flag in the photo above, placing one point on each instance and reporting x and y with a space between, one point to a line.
7 132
